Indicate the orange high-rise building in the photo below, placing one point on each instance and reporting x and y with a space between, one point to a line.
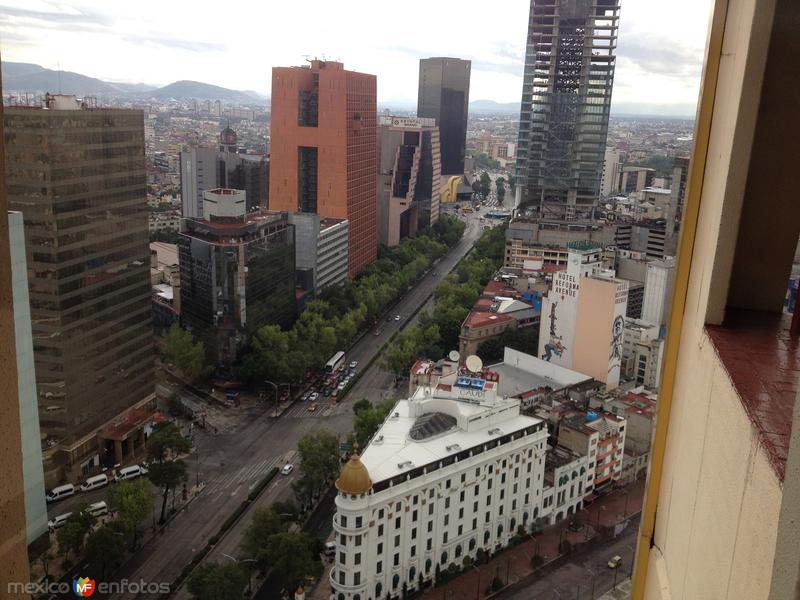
323 149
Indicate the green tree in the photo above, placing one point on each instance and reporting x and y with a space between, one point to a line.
133 501
181 350
265 523
486 184
167 471
73 533
293 556
500 185
105 547
319 459
360 405
369 420
214 581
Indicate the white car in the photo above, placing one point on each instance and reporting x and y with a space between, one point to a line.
313 397
287 469
397 317
341 386
58 521
353 364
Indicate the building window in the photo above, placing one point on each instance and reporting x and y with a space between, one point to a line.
344 521
413 550
414 516
342 558
358 540
342 539
430 509
359 522
397 523
357 559
397 541
444 538
429 544
380 530
444 558
447 503
396 559
446 520
380 547
474 524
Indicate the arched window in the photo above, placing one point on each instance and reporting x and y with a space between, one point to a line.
559 516
525 518
412 574
428 565
444 558
535 512
340 597
472 544
378 589
485 538
499 530
513 525
583 470
458 550
357 597
574 474
395 581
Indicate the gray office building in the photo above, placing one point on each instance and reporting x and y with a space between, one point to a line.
208 168
444 96
566 99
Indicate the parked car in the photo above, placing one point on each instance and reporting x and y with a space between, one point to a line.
397 317
60 492
96 509
314 396
377 332
58 521
389 319
341 386
287 469
353 364
306 396
615 561
330 549
93 483
131 472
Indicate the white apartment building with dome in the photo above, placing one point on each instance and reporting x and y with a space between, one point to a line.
453 469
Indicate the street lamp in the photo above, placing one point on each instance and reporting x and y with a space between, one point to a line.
275 387
249 571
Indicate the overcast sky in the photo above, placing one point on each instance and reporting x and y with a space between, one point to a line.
235 44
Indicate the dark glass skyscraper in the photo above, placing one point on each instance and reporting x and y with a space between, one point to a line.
77 175
566 99
444 96
237 272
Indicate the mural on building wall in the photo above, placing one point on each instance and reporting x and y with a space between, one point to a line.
554 345
615 357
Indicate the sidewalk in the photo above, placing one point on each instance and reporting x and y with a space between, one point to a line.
514 564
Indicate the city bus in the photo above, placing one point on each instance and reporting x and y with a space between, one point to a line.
335 362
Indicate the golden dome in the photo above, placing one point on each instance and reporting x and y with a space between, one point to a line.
354 478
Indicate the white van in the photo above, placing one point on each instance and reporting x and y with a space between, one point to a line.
131 472
95 482
58 521
96 509
330 549
60 492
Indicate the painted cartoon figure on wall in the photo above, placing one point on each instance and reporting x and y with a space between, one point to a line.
554 346
615 357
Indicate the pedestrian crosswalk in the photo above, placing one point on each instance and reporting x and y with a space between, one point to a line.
240 481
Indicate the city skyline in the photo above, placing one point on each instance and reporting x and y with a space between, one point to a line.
657 58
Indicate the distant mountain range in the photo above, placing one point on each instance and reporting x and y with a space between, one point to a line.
490 106
27 77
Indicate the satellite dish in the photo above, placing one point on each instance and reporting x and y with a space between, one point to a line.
474 363
454 355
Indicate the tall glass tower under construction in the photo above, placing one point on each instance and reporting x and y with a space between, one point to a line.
566 99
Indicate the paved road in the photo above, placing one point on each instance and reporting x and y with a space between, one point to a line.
376 383
232 462
588 576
